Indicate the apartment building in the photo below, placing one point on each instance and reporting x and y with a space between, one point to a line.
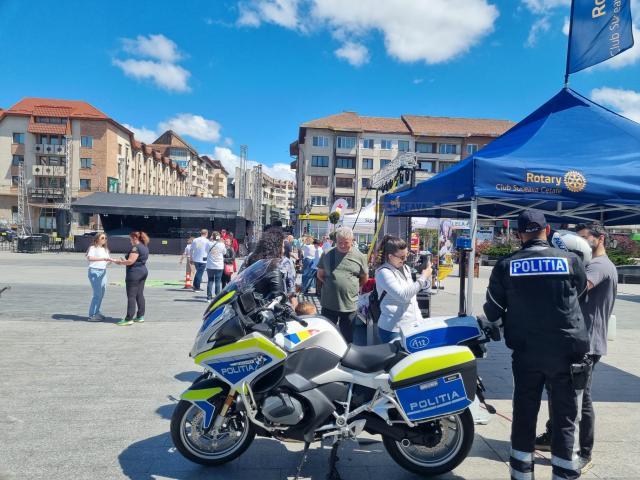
208 176
336 156
277 195
66 146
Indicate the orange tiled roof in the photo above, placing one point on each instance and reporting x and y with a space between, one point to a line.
351 121
50 128
464 127
75 108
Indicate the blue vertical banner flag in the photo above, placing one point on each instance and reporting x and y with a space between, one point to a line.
599 30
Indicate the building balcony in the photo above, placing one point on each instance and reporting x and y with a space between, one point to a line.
48 171
47 149
46 192
346 171
347 152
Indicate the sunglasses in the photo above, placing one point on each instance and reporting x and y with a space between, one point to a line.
404 259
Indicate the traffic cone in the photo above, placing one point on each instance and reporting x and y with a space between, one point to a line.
187 281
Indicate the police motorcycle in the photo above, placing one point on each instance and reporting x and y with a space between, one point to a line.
270 373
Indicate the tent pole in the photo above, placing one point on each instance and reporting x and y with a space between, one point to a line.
473 226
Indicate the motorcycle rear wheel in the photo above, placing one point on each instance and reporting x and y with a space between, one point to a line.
452 449
195 444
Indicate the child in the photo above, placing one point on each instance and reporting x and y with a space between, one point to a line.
306 308
187 254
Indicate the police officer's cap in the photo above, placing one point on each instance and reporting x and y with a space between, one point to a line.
531 221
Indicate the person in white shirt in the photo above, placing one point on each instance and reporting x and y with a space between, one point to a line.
187 254
215 264
396 289
199 254
308 256
98 257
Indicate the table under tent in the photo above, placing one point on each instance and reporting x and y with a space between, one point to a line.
572 158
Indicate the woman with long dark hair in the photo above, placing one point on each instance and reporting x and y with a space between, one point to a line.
136 276
270 247
397 292
98 257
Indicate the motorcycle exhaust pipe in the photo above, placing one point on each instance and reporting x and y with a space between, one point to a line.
376 425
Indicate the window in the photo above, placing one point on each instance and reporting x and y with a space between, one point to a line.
84 219
14 180
119 149
366 183
85 184
342 182
403 145
17 160
367 163
178 152
18 138
317 181
86 142
448 148
367 143
319 161
346 142
385 144
442 166
86 162
366 201
422 147
427 166
342 162
320 141
14 215
384 163
318 201
57 120
472 148
349 201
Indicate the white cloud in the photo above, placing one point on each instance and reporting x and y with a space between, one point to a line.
153 46
565 26
354 53
541 6
279 12
413 30
165 75
418 81
230 161
625 102
143 134
539 26
194 126
228 141
158 62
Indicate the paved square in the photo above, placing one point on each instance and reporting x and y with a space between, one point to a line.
93 400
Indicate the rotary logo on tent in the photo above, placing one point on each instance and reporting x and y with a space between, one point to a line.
574 181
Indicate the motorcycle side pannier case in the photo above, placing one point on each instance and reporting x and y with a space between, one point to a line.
433 332
435 382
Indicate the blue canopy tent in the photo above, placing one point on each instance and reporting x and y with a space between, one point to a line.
571 158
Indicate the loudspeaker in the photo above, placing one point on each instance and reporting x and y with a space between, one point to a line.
63 223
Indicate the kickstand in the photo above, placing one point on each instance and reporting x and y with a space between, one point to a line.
303 460
333 460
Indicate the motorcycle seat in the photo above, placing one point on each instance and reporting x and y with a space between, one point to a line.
371 358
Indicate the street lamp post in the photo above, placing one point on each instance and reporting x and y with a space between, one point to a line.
307 210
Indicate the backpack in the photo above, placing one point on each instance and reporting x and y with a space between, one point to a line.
374 304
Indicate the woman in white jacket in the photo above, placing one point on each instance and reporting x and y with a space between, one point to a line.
396 289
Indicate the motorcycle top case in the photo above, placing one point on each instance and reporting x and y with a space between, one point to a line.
433 332
435 383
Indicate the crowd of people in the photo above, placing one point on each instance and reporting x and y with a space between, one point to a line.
553 305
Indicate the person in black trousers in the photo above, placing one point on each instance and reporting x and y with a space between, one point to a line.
136 276
229 262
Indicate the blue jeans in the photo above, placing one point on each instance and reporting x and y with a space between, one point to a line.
307 274
98 279
200 268
386 336
214 276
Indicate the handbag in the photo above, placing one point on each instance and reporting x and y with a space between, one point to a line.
228 269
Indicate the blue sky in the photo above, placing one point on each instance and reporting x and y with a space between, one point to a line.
225 73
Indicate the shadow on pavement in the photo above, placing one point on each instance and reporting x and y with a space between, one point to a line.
629 297
189 376
610 384
165 411
81 318
196 300
266 458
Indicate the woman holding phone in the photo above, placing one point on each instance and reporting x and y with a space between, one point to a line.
136 276
397 292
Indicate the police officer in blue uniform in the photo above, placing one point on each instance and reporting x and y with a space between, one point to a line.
536 292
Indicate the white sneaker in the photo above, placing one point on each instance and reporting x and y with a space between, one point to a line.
95 318
585 465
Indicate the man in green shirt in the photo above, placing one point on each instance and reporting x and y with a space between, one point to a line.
342 271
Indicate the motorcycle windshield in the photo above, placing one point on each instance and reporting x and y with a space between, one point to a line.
246 279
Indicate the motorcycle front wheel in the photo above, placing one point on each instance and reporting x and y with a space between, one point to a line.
444 448
200 445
